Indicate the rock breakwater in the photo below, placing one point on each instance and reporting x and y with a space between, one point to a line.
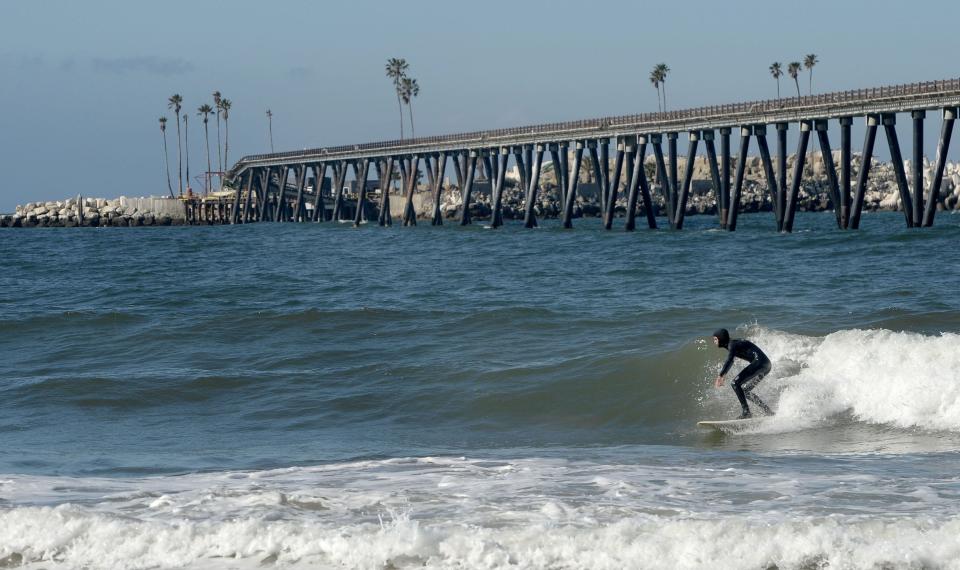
97 212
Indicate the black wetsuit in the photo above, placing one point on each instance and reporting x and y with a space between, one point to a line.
750 376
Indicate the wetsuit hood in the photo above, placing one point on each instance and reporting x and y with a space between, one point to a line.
723 337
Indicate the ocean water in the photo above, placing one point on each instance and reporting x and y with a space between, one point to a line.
318 396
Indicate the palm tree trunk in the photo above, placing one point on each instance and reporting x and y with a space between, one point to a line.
186 150
659 104
664 96
797 82
166 161
778 89
206 135
413 133
811 81
226 141
219 149
271 134
400 106
179 155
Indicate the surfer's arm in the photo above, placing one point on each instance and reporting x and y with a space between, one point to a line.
728 363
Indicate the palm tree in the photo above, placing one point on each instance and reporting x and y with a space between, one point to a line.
216 105
409 89
204 111
174 102
270 120
776 70
662 71
794 69
166 155
225 105
655 80
809 61
396 70
186 147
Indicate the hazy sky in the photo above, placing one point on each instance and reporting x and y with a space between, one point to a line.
83 83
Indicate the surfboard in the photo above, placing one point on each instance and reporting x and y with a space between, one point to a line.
729 425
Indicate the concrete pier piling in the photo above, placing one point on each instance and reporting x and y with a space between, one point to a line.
889 121
734 205
802 143
760 132
869 138
530 217
946 131
821 126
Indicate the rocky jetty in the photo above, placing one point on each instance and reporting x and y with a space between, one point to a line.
97 212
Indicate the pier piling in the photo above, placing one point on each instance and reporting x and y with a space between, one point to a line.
869 138
946 131
889 121
793 198
530 216
745 133
821 126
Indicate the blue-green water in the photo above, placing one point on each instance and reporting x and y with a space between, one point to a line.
317 395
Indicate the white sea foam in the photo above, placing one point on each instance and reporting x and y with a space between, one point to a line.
900 379
67 537
669 509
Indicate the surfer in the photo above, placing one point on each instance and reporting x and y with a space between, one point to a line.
749 377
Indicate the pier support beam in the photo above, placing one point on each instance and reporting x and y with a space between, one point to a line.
672 175
554 150
489 158
792 200
782 129
319 205
281 208
604 180
598 176
247 186
745 133
573 181
946 131
522 168
708 138
530 217
614 183
564 180
339 176
845 171
889 121
869 138
760 132
386 181
439 172
822 126
687 179
299 210
260 183
496 215
361 175
264 196
656 142
465 218
724 202
409 214
918 117
638 183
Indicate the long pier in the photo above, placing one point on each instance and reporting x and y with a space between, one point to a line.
264 190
